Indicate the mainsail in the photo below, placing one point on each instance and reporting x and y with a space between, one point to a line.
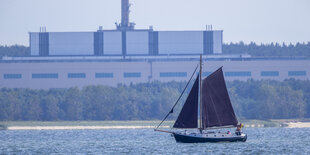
216 106
188 116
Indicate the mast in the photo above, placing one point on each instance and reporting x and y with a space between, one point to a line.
200 94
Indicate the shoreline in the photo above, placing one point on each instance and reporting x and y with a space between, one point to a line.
79 127
104 125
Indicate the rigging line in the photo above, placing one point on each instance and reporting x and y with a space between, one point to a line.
178 98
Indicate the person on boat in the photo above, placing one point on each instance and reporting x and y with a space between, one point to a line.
238 130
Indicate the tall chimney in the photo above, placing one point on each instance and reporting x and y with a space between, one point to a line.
125 13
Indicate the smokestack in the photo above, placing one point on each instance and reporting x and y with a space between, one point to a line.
125 13
125 24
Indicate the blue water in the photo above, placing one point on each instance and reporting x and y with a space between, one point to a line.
146 141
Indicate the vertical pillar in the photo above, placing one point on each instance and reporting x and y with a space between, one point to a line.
153 42
98 43
43 44
207 42
124 47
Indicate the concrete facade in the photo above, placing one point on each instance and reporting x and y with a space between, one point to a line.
64 73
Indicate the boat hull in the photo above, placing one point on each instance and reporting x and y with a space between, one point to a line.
199 139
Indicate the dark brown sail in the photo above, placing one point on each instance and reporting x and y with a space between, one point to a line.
216 106
188 116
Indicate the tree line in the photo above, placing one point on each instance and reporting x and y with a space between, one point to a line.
149 101
269 99
268 50
14 51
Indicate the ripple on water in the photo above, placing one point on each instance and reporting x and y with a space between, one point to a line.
146 141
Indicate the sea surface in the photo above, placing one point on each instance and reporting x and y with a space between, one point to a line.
146 141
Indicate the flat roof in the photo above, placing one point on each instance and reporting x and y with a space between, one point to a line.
118 58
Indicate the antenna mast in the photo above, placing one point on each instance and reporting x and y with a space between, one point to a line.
200 94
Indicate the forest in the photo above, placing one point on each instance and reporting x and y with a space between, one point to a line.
151 101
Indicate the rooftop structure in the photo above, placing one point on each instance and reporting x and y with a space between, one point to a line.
126 40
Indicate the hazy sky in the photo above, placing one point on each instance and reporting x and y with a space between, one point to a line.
261 21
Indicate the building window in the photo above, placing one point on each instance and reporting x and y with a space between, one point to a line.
132 75
104 75
297 73
206 73
238 74
12 76
269 73
173 74
76 75
45 76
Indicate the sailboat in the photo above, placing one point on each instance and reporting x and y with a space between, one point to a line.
211 98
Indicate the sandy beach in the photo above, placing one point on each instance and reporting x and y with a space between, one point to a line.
78 127
298 125
122 125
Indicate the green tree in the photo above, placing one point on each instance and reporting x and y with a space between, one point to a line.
72 104
50 108
32 109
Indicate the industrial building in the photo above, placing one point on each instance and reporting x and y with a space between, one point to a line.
125 40
127 55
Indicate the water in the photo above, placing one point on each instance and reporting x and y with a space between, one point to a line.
146 141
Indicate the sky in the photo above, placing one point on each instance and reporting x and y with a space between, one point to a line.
260 21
